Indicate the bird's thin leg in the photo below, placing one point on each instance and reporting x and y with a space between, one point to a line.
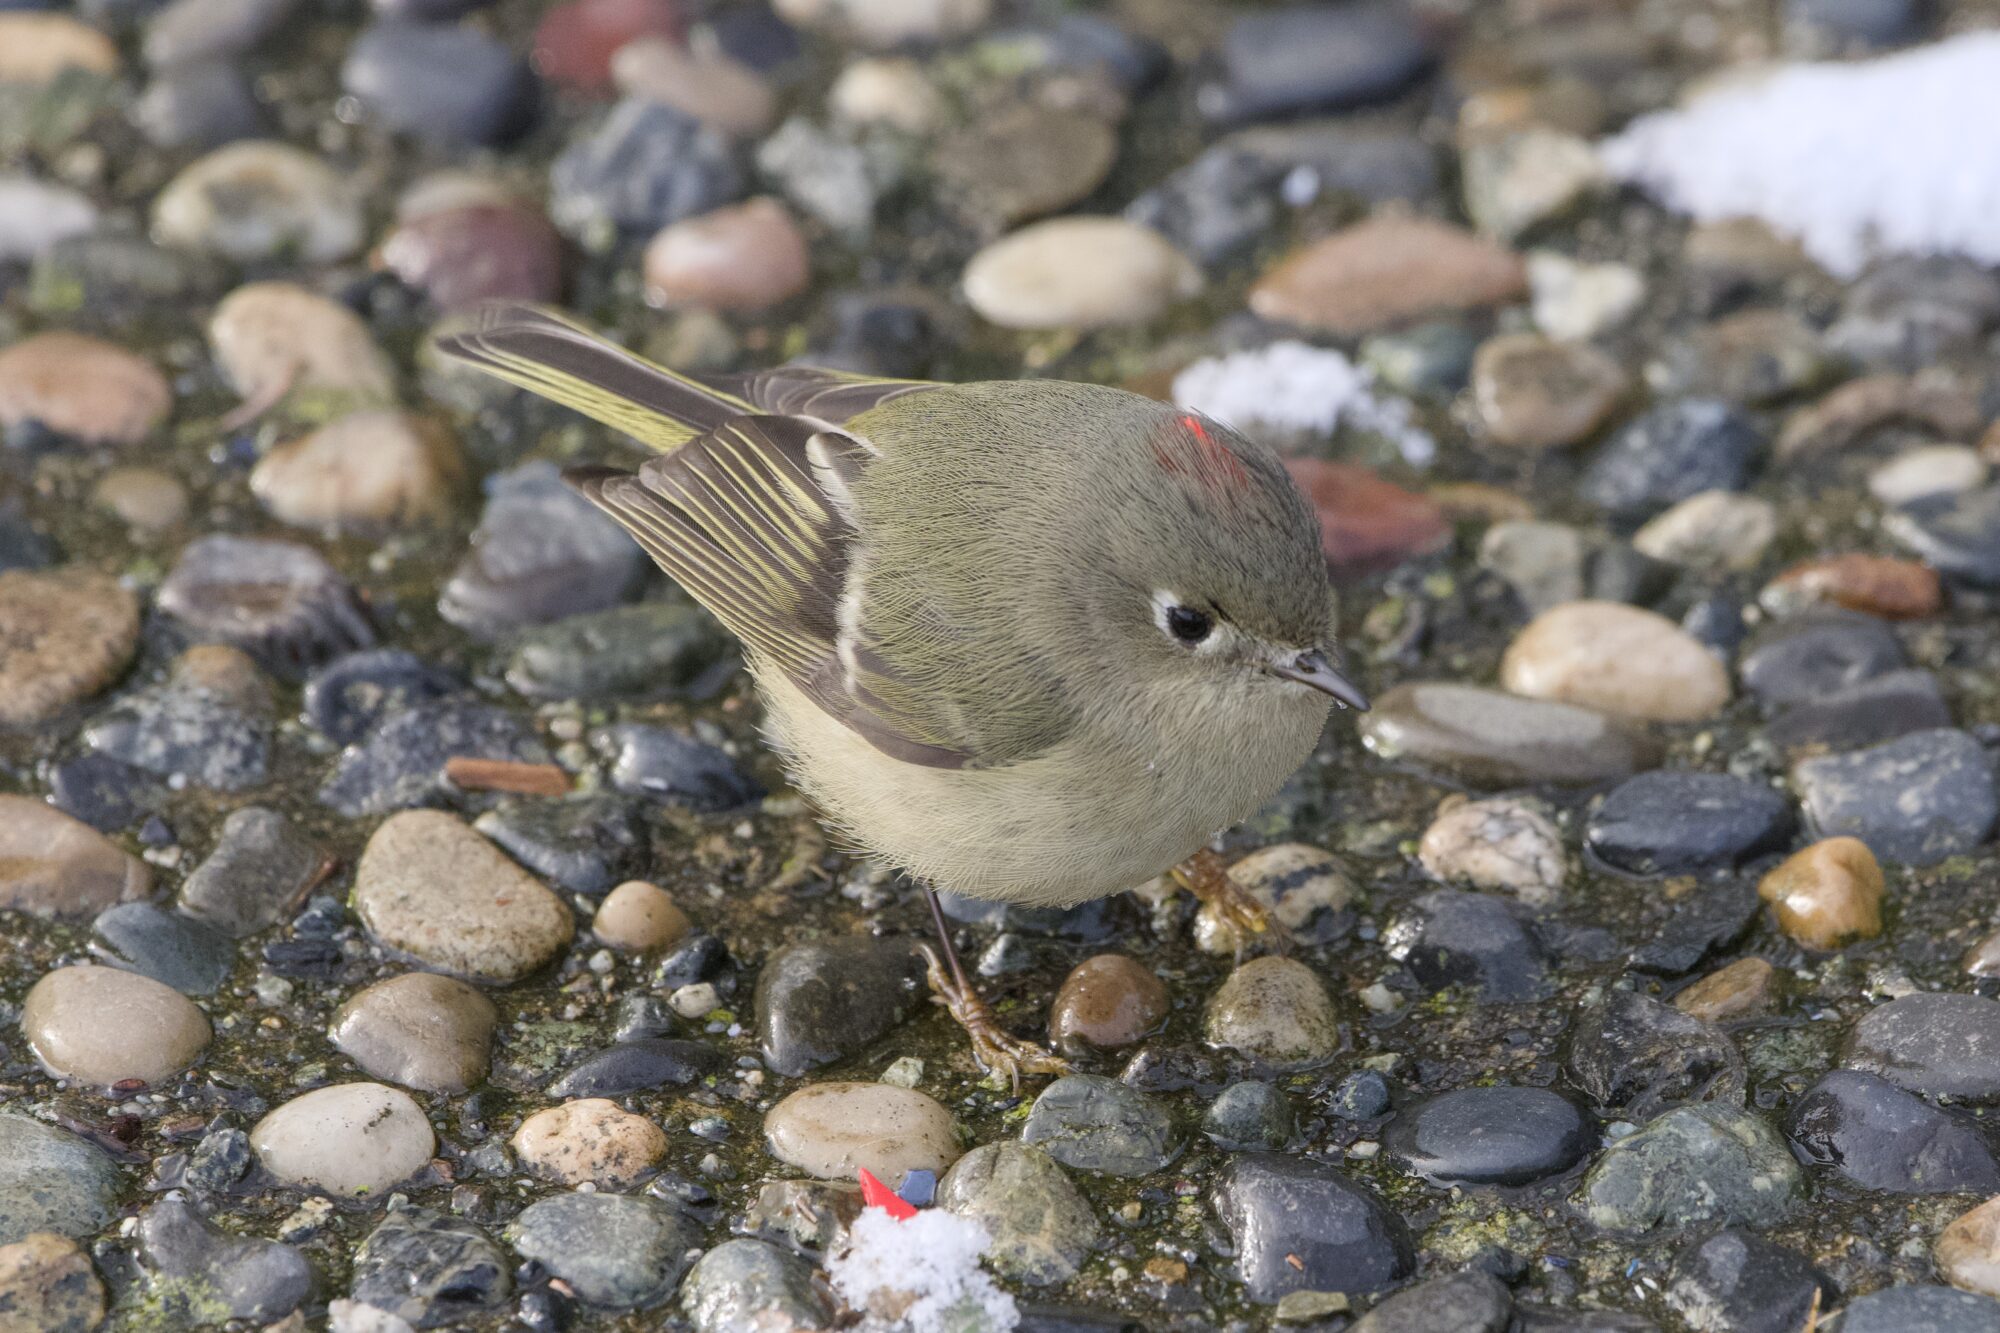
1204 876
996 1049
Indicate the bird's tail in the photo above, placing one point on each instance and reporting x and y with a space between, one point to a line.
568 364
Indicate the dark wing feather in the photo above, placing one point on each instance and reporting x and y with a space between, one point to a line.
566 363
740 518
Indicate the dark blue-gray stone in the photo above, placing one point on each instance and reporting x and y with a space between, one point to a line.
1676 822
1300 1225
1958 534
643 166
205 1266
1491 1136
615 1250
635 1066
351 695
1810 656
401 763
1890 705
1362 1095
1936 1043
1467 1301
446 84
1870 22
261 867
1631 1053
541 552
197 106
51 1180
1883 1138
1921 1309
280 602
1470 939
1676 450
194 30
824 1000
1738 1282
430 1269
1695 1165
180 729
1250 1116
674 768
108 794
1326 56
586 844
1916 800
1092 1123
172 949
1714 915
651 650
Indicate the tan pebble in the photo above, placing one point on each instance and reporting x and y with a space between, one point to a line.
48 1286
431 887
882 24
885 90
1107 1002
1620 659
35 48
1935 402
638 916
1387 271
594 1140
1741 990
226 673
747 257
1967 1252
1983 958
65 634
367 469
709 86
352 1139
54 866
1827 894
257 198
144 498
271 338
1276 1010
831 1129
102 1026
1500 843
419 1030
1078 272
1714 531
1480 502
82 386
1300 885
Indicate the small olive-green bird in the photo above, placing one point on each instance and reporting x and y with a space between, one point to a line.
1029 641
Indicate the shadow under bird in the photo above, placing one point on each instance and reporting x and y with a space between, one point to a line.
1030 641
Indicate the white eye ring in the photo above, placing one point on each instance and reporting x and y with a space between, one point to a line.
1187 626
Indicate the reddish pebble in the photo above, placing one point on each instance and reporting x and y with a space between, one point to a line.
1107 1002
1876 584
461 256
745 257
82 386
1366 523
574 43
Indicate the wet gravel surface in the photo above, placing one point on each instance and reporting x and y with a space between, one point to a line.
406 928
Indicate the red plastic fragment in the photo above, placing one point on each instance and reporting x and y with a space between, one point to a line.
877 1195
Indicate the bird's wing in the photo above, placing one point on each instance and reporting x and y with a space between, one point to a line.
751 519
811 391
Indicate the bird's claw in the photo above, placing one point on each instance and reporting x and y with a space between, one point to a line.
997 1050
1205 876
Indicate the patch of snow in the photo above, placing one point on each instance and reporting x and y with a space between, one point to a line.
1293 386
1878 156
921 1275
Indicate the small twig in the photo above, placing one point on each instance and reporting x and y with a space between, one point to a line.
472 774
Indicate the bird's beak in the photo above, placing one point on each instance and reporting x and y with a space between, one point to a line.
1312 668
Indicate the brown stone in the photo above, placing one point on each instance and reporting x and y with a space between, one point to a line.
575 42
1024 161
1827 894
419 1030
104 1027
1741 990
82 386
1365 522
366 470
1967 1252
1877 584
638 916
460 257
1480 502
65 634
272 338
1534 393
1106 1002
1843 416
55 866
748 257
1386 271
48 1286
146 499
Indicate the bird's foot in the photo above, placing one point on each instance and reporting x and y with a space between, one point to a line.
997 1050
1205 876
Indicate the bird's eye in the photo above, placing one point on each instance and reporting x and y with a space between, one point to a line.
1188 625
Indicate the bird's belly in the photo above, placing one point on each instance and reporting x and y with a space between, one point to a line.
1078 823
